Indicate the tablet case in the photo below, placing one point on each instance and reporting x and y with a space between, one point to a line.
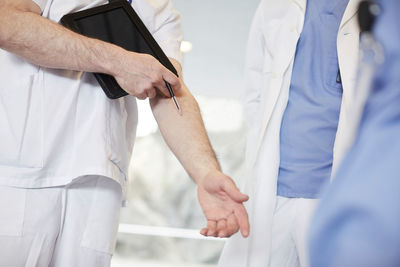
117 23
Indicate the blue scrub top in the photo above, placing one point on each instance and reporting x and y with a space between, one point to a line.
358 220
310 120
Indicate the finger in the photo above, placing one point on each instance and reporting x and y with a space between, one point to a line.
204 231
212 228
162 88
243 220
233 192
158 80
232 225
151 93
221 228
141 96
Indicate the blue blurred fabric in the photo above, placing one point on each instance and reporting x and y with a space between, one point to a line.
358 220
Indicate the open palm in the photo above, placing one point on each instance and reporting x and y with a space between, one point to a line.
222 204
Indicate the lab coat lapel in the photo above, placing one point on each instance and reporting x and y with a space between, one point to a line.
348 48
348 52
351 10
287 35
301 4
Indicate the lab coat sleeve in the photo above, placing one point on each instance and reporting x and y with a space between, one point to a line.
164 22
254 66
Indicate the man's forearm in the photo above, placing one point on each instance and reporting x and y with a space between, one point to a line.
42 42
45 43
185 134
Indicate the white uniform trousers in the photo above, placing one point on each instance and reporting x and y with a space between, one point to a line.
289 231
69 226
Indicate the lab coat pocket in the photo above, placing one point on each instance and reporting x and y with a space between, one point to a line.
103 219
12 209
21 122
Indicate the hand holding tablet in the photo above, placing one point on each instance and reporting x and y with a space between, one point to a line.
118 23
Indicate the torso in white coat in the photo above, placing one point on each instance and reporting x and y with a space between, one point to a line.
57 125
272 45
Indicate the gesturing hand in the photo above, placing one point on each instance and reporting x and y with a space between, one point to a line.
222 204
143 76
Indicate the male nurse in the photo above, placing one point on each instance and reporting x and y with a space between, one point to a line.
65 147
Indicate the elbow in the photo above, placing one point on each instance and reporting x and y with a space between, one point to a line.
3 35
4 30
2 42
6 15
14 13
1 38
3 17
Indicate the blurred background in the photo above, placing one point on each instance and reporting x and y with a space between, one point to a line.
160 225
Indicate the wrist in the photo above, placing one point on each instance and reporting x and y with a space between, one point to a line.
204 175
112 58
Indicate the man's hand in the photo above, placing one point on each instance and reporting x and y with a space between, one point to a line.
222 204
24 32
143 76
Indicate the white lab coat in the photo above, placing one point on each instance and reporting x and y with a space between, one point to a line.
272 45
57 125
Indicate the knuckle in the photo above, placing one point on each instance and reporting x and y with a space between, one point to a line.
154 64
157 67
156 78
148 85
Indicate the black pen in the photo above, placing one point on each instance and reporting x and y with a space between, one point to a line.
173 96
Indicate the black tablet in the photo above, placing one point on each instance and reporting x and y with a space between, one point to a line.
119 24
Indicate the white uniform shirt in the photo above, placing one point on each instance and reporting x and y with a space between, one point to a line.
56 125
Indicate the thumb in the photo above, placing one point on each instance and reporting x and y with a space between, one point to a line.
233 192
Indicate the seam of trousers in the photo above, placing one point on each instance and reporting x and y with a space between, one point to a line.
36 249
63 200
63 209
294 202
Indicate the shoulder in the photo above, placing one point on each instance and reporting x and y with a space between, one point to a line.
272 13
272 9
